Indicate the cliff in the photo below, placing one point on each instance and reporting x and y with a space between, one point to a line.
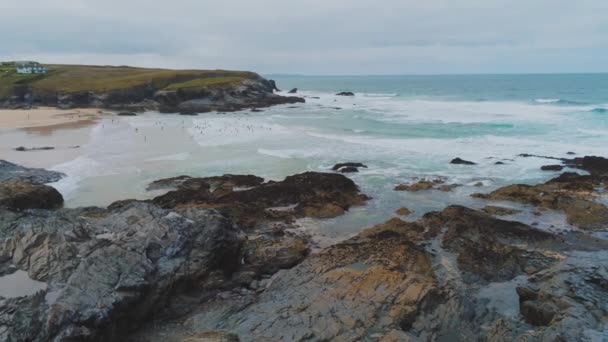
138 89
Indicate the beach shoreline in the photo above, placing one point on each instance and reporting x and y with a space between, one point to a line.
48 118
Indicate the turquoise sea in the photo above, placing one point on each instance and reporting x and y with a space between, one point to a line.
401 127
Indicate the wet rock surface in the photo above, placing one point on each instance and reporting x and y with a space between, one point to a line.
348 167
570 193
426 184
106 271
345 93
10 171
24 195
310 194
220 259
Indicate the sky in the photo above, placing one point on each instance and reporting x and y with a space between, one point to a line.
313 37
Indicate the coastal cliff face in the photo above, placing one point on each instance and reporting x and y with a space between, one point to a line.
136 89
219 259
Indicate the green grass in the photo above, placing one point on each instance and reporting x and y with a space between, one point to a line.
79 78
206 82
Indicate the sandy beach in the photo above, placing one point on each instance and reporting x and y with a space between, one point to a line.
47 117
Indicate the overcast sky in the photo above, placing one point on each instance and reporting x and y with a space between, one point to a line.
313 36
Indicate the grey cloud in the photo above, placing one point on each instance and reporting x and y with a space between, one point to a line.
313 36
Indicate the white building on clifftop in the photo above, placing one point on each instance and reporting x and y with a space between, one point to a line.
28 67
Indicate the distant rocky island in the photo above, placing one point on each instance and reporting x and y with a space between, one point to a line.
135 89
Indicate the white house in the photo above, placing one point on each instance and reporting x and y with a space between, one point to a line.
31 68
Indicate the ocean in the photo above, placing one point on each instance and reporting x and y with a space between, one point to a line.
402 127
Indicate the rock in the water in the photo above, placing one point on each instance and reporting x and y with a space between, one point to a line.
339 166
403 211
345 93
127 114
597 166
499 211
10 171
312 194
427 184
552 167
24 149
459 161
488 248
570 192
24 195
293 91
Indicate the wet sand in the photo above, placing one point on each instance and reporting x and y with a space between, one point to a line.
45 119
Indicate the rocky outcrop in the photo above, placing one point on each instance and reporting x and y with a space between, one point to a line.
105 271
293 91
499 211
552 167
459 161
25 149
570 192
427 184
345 93
348 167
310 194
244 95
376 282
24 195
10 171
249 91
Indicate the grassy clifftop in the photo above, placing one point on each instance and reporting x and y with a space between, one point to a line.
78 78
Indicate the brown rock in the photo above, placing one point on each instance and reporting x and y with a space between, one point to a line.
499 211
403 211
23 195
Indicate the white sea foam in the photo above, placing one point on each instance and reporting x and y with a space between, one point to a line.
172 157
76 170
219 131
546 100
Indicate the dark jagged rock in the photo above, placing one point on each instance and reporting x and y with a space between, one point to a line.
403 211
238 181
339 166
293 91
107 272
10 171
459 161
594 165
313 194
570 192
488 248
348 169
499 211
127 114
376 282
427 184
273 85
24 149
23 195
345 93
552 167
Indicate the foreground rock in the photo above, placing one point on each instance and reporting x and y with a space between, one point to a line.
570 193
104 272
10 171
454 275
310 194
23 195
374 283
